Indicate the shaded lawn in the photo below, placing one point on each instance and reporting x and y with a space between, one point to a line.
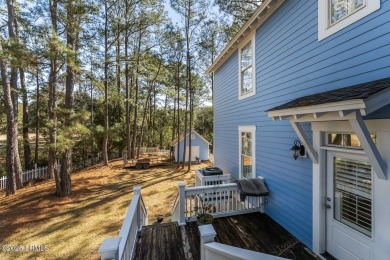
74 227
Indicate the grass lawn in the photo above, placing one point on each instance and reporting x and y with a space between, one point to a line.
74 227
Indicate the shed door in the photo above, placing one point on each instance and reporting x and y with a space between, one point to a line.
349 206
194 153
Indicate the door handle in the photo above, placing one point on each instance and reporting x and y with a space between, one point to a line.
328 206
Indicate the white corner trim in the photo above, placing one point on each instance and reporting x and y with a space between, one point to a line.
251 129
324 30
242 45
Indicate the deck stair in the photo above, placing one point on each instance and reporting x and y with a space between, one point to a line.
162 241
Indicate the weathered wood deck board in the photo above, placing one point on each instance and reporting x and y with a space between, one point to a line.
258 232
255 231
160 241
192 232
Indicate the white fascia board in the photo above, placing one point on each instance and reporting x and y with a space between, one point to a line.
265 10
323 108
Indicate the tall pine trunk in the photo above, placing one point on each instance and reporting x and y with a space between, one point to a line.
26 142
37 117
127 103
136 97
14 94
11 131
52 104
189 84
25 120
105 139
66 167
178 114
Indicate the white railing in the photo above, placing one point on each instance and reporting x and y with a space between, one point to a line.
123 246
28 175
210 250
221 200
3 182
201 180
176 208
216 250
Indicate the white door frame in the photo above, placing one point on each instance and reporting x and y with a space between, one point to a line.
381 127
347 235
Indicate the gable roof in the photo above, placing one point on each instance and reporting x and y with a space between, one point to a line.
194 132
366 97
265 10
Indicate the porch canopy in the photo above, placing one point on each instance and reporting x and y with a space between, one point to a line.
352 104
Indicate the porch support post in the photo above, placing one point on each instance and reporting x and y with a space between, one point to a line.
302 136
376 160
207 235
182 201
109 249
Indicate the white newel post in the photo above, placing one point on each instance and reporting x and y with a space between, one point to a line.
182 201
109 249
137 193
207 235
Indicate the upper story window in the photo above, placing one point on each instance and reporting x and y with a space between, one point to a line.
247 70
334 15
340 9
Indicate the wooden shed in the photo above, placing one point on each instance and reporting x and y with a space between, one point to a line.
199 147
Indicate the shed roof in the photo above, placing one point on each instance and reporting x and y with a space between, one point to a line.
344 104
361 91
193 131
366 97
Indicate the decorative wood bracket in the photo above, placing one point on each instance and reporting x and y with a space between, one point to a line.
376 160
305 141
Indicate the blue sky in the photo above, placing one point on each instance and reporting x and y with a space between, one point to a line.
172 13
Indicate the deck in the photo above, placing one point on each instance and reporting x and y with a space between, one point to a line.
254 231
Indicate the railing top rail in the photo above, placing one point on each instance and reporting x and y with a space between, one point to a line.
217 177
238 253
210 188
125 230
176 200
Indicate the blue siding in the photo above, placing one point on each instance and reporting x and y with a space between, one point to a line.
290 63
203 147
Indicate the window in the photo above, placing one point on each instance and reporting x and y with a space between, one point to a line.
247 147
340 9
345 140
334 15
247 70
192 136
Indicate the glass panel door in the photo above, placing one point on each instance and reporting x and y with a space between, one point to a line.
353 194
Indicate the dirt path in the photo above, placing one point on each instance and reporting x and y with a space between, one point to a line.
48 227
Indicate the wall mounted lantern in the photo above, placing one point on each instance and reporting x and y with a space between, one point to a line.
297 149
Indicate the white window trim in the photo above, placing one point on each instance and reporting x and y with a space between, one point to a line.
324 30
242 45
251 129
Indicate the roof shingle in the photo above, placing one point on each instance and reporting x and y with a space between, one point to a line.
360 91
